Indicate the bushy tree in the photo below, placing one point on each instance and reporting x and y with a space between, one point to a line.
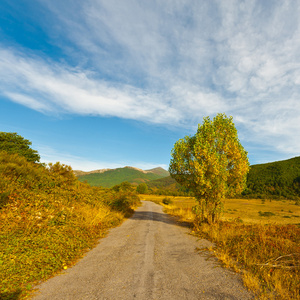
212 163
142 188
13 143
125 197
125 186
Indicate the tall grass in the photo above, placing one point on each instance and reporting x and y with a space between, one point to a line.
267 254
48 220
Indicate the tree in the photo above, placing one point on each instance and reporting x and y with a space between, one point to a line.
212 163
125 186
142 188
11 142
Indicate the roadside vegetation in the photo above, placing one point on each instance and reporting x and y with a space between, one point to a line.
48 220
263 247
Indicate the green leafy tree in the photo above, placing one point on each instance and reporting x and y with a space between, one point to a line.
125 186
212 163
13 143
125 197
142 188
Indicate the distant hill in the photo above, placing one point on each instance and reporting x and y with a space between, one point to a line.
276 179
159 171
110 177
164 186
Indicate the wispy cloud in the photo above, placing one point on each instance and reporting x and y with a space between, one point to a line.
169 63
51 87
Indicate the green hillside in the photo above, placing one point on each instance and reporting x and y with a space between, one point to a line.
162 183
276 179
134 176
167 186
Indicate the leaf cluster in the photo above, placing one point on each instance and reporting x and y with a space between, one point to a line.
14 143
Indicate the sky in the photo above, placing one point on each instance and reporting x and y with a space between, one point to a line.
104 84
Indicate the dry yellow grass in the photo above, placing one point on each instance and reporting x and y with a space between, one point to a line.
247 210
285 211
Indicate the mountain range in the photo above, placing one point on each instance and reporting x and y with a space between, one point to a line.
111 177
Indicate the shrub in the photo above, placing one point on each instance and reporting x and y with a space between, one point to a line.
167 201
142 188
266 213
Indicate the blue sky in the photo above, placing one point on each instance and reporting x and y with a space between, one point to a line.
104 84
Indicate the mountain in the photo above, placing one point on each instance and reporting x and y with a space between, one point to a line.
159 171
110 177
79 173
276 179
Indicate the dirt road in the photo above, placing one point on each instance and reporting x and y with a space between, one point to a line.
148 257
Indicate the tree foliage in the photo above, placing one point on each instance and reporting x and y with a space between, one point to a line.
142 188
212 163
125 196
13 143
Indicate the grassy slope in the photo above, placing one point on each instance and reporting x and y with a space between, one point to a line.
48 219
281 178
117 176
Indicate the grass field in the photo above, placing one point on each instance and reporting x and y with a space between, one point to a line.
250 211
259 239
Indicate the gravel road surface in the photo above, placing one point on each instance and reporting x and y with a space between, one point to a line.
149 256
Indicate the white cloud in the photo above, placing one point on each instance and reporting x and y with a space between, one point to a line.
169 63
27 101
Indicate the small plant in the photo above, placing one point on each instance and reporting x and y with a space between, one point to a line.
167 201
238 220
266 213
